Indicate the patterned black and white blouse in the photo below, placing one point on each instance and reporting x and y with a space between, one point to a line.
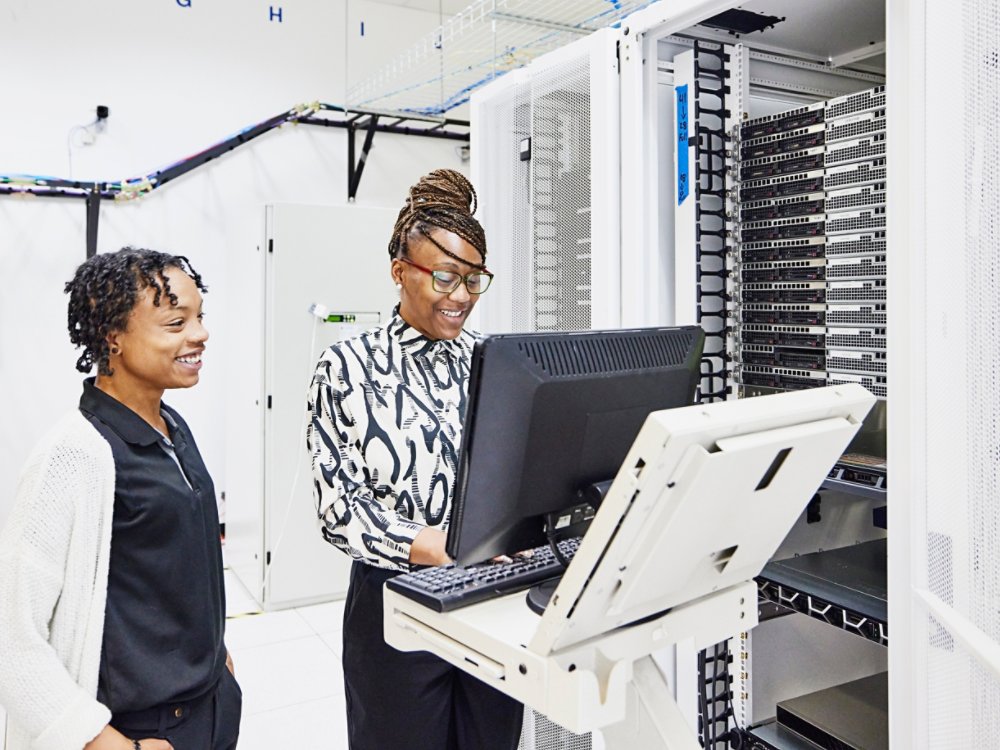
386 413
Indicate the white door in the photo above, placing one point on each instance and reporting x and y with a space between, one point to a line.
333 256
944 421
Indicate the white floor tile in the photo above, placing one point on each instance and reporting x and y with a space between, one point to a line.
284 674
247 631
324 618
238 599
315 725
335 642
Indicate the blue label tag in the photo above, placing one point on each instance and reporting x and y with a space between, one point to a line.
683 171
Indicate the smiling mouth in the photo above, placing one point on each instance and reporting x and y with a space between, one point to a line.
453 314
190 359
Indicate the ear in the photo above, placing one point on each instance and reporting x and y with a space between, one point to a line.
114 344
396 271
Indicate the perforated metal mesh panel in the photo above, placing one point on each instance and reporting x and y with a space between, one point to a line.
963 540
561 196
539 733
982 195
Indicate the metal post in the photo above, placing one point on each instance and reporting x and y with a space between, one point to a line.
354 171
350 163
93 214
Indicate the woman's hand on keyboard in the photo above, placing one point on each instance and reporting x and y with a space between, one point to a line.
523 554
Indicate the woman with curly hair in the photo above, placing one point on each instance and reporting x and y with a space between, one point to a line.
386 422
112 609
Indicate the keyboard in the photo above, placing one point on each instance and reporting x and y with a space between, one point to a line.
450 587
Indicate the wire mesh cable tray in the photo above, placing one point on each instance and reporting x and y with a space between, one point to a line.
487 39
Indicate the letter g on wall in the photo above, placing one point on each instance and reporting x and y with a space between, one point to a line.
184 3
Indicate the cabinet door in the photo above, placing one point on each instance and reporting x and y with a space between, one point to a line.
334 256
944 426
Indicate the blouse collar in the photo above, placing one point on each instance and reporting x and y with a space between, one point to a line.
414 342
129 426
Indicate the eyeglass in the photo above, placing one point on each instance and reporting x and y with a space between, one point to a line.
447 282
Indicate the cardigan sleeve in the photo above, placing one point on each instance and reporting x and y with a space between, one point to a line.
41 696
352 517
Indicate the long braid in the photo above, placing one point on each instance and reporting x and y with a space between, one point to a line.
443 199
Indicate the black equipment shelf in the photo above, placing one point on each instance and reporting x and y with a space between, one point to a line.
773 736
852 716
844 587
853 488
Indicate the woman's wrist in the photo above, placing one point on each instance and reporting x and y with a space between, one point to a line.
428 548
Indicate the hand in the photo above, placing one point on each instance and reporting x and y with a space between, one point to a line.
428 548
522 555
229 663
111 739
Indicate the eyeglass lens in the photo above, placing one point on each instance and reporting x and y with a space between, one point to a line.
447 281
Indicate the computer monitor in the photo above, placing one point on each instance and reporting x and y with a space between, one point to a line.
552 414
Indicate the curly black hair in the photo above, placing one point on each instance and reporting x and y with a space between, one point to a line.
105 289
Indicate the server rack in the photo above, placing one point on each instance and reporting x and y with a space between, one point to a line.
781 320
810 270
810 263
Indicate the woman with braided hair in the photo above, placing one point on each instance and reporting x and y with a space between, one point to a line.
386 419
112 607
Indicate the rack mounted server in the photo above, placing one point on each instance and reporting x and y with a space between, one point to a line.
809 259
810 256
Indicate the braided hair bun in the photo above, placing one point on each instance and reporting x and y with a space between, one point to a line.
443 199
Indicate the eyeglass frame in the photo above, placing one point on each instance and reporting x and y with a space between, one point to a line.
462 279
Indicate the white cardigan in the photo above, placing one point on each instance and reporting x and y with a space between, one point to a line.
54 555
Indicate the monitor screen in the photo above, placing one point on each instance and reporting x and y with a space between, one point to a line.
549 415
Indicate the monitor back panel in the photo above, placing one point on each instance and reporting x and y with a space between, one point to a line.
550 414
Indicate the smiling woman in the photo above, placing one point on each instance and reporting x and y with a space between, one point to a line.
98 648
387 409
437 235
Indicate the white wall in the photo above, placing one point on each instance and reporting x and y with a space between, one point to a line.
177 79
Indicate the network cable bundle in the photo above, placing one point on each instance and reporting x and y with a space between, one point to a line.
809 256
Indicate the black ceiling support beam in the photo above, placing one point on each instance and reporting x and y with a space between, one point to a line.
93 216
397 129
46 192
354 170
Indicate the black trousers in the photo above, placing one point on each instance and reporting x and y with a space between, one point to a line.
211 722
413 700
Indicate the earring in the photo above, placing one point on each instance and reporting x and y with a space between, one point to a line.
116 350
399 286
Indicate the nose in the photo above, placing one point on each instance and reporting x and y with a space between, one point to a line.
199 334
460 293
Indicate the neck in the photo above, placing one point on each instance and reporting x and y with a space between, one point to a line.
143 400
414 326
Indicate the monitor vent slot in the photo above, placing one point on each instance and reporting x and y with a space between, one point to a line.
587 355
